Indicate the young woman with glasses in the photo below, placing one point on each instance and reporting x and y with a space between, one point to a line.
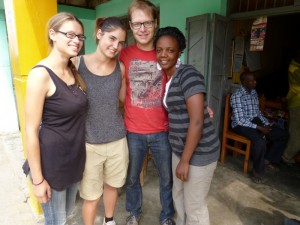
55 114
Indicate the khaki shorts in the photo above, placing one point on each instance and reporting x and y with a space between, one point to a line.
105 163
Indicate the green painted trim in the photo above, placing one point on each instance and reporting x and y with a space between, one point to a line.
2 15
81 13
172 12
87 17
1 4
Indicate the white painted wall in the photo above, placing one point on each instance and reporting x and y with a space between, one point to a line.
8 111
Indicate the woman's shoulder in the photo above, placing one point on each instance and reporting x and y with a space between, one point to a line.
38 79
39 72
189 71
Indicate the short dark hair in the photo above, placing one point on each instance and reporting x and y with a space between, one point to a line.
173 32
245 75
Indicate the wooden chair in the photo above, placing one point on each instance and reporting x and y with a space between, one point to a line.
145 166
232 141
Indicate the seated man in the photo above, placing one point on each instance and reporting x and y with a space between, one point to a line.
248 121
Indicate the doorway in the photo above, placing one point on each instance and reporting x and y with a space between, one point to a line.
280 45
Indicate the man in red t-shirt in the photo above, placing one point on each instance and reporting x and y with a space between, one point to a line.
145 118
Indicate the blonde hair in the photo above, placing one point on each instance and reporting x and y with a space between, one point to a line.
144 5
54 23
78 80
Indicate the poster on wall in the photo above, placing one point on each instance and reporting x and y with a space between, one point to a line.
258 34
238 54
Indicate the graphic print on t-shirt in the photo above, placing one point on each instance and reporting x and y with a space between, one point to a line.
145 83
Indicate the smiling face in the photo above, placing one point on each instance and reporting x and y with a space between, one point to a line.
167 54
144 34
70 47
111 43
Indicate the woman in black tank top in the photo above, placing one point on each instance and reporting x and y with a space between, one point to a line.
55 113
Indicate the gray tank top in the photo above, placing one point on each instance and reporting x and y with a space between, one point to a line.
104 120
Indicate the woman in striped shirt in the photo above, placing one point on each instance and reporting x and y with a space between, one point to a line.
195 146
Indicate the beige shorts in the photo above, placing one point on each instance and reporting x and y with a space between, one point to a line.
105 163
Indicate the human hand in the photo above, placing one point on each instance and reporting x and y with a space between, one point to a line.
210 112
264 129
42 192
182 170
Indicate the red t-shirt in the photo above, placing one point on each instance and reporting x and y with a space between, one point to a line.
145 86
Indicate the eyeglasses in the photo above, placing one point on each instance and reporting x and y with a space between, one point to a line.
72 35
138 25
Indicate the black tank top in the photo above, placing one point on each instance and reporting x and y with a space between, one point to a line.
62 134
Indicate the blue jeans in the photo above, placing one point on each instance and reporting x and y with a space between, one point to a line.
291 222
60 206
162 156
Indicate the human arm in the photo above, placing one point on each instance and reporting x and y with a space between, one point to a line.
263 119
195 108
264 129
122 92
243 105
38 87
238 112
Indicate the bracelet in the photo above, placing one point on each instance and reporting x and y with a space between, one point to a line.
38 183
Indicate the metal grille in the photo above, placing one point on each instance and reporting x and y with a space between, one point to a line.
253 5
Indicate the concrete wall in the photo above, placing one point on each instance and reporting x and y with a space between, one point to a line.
8 112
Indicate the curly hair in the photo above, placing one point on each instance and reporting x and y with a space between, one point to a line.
173 32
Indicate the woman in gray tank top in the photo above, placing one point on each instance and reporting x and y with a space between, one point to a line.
106 144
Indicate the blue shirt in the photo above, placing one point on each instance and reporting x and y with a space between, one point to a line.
245 106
